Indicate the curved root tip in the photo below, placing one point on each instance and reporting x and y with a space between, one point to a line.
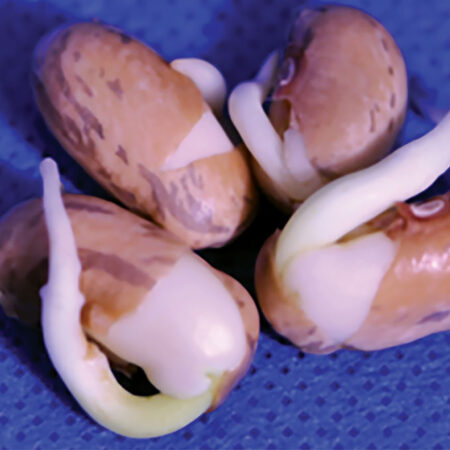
208 79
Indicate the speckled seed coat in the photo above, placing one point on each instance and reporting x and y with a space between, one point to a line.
343 84
412 300
122 258
120 110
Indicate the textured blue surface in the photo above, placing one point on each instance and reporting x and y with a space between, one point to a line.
396 398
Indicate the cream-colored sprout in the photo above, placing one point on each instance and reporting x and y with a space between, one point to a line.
350 201
259 135
207 138
82 366
207 78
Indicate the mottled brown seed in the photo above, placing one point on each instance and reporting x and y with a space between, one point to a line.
91 122
89 119
391 70
193 217
73 134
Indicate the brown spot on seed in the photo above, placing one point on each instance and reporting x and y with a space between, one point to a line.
116 88
251 342
435 317
115 266
372 121
80 206
192 216
71 132
76 55
87 90
240 303
91 122
392 100
122 154
385 45
89 119
391 125
391 70
101 72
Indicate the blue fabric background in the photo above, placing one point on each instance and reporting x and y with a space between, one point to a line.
396 398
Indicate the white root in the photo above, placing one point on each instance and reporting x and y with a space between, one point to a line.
207 78
82 366
352 200
256 130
